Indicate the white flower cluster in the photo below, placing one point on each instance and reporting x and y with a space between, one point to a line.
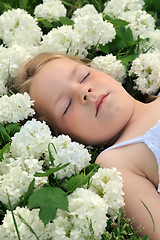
87 10
115 8
51 10
140 22
10 59
87 208
32 140
63 39
153 43
147 69
15 177
86 218
88 30
7 230
93 30
15 108
19 27
69 152
108 183
110 65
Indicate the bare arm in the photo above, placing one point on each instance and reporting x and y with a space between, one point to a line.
137 189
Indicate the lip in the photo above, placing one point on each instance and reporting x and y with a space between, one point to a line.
99 102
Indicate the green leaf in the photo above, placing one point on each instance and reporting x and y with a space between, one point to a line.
45 22
91 168
12 128
128 59
50 171
145 237
67 3
105 49
48 199
124 36
66 21
129 34
116 22
6 6
23 4
76 181
153 5
81 179
3 134
119 22
5 149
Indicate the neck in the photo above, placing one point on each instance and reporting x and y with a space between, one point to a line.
138 110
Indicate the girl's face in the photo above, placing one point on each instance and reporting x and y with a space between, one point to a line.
82 102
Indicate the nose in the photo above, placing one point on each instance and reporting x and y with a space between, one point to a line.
83 93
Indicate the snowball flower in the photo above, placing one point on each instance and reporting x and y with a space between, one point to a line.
147 69
69 152
153 43
11 58
87 208
93 30
52 10
19 27
115 8
63 39
110 65
8 232
32 140
86 217
88 9
15 177
108 184
140 22
15 108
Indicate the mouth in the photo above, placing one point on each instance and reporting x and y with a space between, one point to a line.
99 102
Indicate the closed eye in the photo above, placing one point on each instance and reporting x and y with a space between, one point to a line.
85 77
65 111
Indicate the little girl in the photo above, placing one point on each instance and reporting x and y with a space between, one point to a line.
93 108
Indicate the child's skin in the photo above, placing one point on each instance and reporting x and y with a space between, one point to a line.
69 94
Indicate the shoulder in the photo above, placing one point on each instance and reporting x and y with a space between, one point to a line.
111 158
131 157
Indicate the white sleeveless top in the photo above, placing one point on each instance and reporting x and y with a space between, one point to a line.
151 138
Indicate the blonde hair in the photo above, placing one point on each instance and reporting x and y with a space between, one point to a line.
29 69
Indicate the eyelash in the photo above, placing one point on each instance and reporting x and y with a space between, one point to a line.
85 77
71 99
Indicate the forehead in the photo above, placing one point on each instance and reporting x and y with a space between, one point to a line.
56 67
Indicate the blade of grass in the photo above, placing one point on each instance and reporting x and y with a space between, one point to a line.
150 215
28 226
14 220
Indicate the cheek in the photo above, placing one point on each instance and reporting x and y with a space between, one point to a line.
76 117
